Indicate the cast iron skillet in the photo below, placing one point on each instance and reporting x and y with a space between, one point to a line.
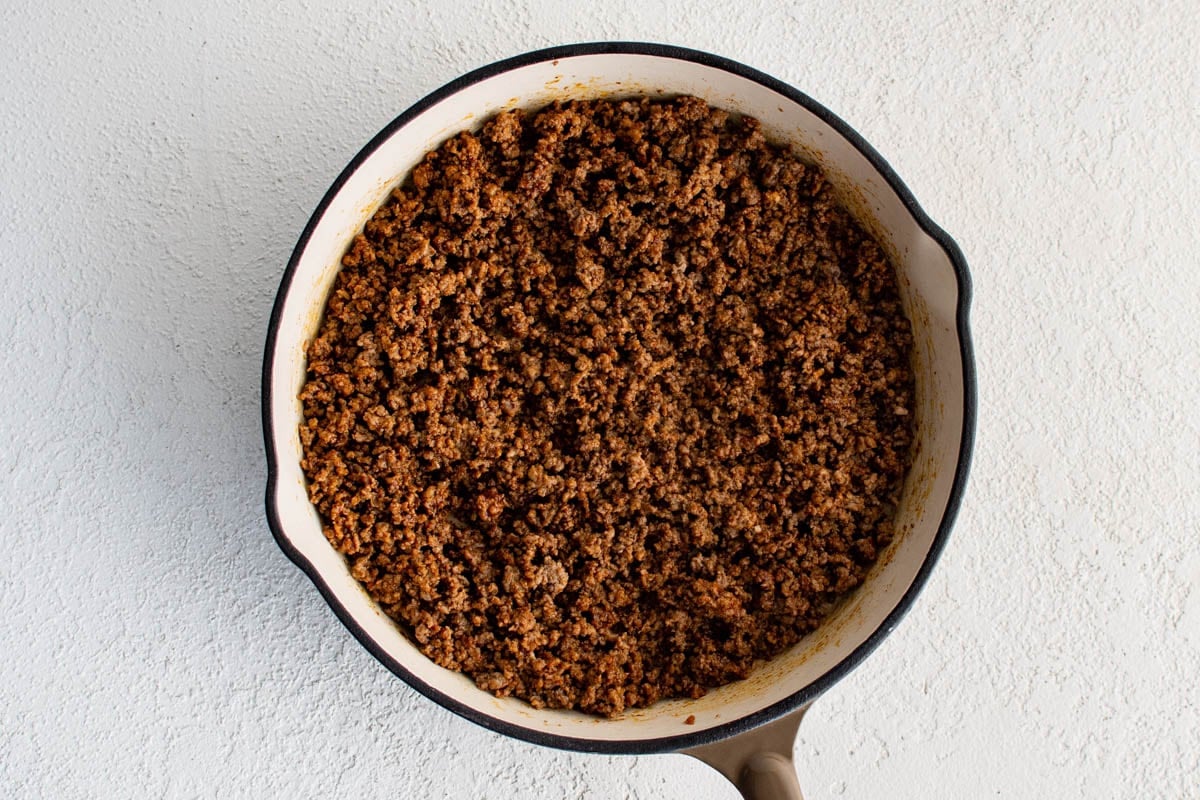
746 729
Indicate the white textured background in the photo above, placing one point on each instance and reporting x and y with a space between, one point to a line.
157 168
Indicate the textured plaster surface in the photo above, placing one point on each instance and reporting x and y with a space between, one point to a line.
160 162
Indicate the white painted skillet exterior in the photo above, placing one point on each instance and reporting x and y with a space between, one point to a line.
936 290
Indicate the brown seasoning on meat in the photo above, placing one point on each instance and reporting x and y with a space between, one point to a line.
609 401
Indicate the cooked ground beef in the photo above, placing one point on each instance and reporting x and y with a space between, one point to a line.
609 401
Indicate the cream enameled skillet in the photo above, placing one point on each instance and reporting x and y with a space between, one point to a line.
746 729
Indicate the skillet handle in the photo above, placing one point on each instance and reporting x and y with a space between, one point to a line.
758 762
769 776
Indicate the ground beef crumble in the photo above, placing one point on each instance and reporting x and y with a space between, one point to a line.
609 401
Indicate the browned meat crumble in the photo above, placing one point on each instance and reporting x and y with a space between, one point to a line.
609 401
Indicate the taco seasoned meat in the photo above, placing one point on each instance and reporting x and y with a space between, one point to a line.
609 401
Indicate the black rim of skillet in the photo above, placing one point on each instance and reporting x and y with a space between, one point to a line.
808 693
